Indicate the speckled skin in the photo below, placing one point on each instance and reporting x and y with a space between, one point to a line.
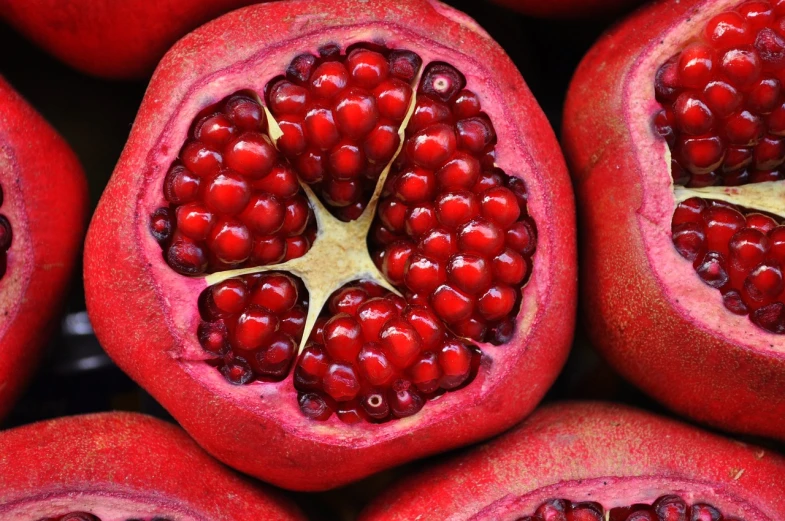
646 309
567 8
145 315
45 200
599 452
116 39
87 463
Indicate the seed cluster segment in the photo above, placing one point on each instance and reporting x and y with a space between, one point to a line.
723 118
665 508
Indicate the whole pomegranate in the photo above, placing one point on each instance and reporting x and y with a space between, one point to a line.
43 212
675 132
594 462
116 39
568 8
336 241
122 467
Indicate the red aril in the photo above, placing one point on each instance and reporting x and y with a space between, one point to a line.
634 466
358 275
123 467
682 202
43 212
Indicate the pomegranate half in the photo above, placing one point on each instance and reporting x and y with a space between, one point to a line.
122 467
672 127
350 183
595 462
43 212
110 39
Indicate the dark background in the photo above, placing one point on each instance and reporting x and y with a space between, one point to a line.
95 117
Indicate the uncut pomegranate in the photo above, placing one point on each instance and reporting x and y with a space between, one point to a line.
43 212
594 462
677 152
115 39
122 467
344 242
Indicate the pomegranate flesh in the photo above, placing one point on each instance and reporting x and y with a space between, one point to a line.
634 466
351 241
122 467
692 206
43 212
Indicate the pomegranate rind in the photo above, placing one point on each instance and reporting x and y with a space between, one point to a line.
568 8
646 310
97 462
610 454
109 39
45 200
145 315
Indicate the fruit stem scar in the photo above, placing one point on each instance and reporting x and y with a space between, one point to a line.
339 254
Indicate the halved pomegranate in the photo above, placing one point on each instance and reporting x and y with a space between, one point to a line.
110 39
43 212
672 128
362 192
122 467
595 462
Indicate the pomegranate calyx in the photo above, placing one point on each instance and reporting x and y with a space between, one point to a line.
767 197
340 252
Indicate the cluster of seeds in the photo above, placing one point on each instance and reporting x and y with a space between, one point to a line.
666 508
340 114
723 100
5 238
252 325
375 357
83 516
741 255
452 230
231 201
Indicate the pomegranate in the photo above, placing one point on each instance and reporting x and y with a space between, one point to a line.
593 462
336 242
678 160
122 466
568 8
110 39
43 212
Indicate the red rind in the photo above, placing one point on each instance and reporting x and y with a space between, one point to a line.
737 384
128 456
603 453
131 313
45 198
107 38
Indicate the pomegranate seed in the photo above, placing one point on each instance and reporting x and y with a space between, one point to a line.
181 186
254 328
729 29
341 382
346 161
230 241
770 317
230 296
349 412
287 98
692 115
186 257
160 227
553 510
375 405
381 143
427 112
741 66
420 219
712 269
329 79
721 97
466 105
404 400
401 342
765 282
275 292
451 304
482 237
442 81
426 324
343 337
720 223
292 322
292 141
275 359
432 146
215 131
415 185
423 274
393 98
455 362
454 209
367 68
404 65
320 128
213 337
425 373
200 159
268 250
296 215
396 257
497 302
356 113
459 173
469 273
281 182
252 154
310 166
510 267
703 512
314 407
374 364
500 206
237 371
439 244
695 65
264 214
521 237
245 113
341 193
348 300
475 134
689 239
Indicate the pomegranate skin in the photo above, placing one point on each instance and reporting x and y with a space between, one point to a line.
568 8
45 200
145 315
663 330
111 39
625 456
108 463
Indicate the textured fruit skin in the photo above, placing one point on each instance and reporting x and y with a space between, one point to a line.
137 319
127 455
733 382
567 8
590 451
45 198
117 39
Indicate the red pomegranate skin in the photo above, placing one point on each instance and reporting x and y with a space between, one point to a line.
45 201
590 451
267 436
121 39
733 382
103 463
568 8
